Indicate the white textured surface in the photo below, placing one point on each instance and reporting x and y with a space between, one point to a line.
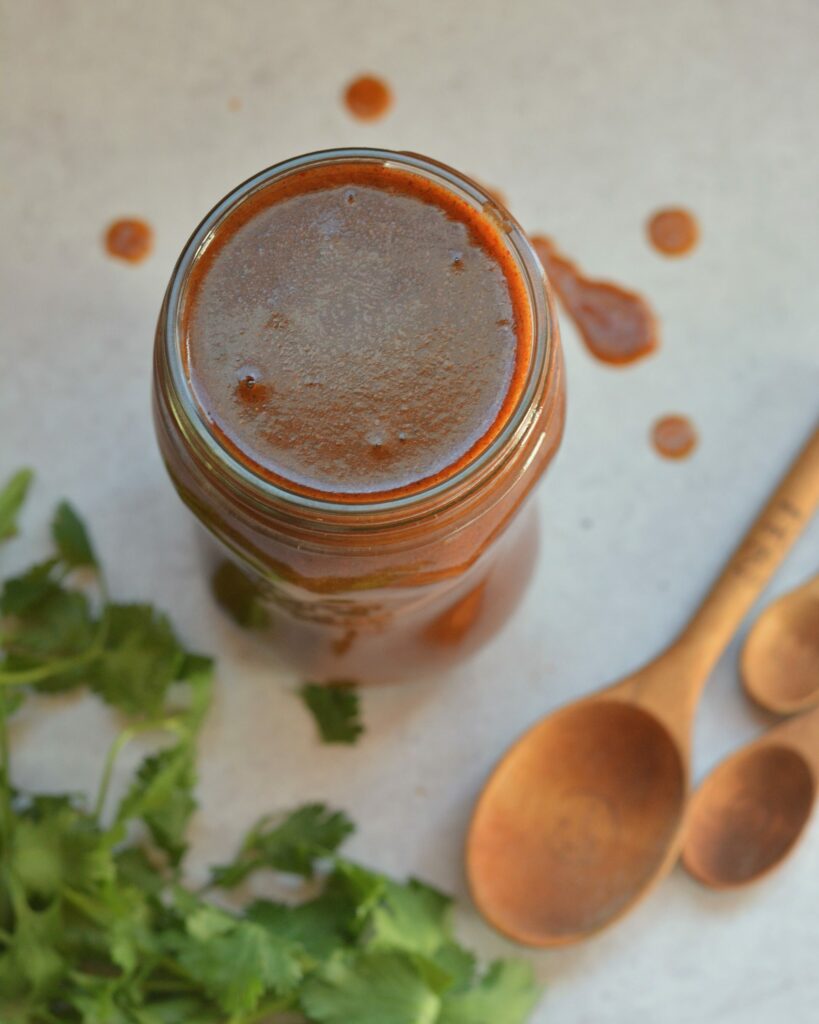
588 115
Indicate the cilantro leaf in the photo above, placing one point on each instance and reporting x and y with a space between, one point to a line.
369 988
239 596
319 926
35 964
12 496
54 633
162 796
140 660
134 868
506 994
236 962
291 845
356 887
457 963
95 925
55 845
99 1002
71 538
413 917
21 593
336 710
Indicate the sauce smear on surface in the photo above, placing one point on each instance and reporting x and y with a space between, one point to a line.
368 98
617 325
674 436
356 330
129 239
673 232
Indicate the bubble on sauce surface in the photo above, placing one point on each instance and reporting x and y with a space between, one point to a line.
250 388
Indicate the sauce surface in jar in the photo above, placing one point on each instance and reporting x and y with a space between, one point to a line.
355 331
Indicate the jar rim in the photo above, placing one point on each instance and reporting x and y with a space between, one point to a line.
263 491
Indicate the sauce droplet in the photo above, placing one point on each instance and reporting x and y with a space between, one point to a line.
129 239
368 98
618 326
234 103
674 437
673 232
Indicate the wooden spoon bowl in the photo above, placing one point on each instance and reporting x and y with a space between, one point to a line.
780 659
751 810
609 798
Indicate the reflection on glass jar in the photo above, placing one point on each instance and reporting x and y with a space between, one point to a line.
358 381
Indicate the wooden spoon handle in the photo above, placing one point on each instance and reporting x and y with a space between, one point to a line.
756 559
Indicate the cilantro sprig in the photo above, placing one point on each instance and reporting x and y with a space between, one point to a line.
97 925
336 710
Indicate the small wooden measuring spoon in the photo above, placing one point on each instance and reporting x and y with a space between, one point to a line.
780 659
585 811
749 813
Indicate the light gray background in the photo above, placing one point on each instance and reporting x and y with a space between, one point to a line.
589 115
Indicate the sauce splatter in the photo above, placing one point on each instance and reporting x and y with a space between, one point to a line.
673 232
368 98
234 103
129 239
618 326
674 437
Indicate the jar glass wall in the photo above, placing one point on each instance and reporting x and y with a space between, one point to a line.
380 587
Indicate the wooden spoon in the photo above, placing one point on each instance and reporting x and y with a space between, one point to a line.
780 659
584 813
750 811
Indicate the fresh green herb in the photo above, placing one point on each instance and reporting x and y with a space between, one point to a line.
71 538
336 710
239 596
12 496
291 845
96 924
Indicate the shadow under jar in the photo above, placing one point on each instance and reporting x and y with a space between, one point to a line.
358 381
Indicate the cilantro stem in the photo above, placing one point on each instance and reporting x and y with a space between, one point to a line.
21 677
6 812
266 1009
154 725
114 751
81 903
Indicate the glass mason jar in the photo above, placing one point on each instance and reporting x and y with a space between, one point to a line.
385 589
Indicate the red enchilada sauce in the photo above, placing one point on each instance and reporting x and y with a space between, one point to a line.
357 332
129 239
673 232
674 437
368 98
617 325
